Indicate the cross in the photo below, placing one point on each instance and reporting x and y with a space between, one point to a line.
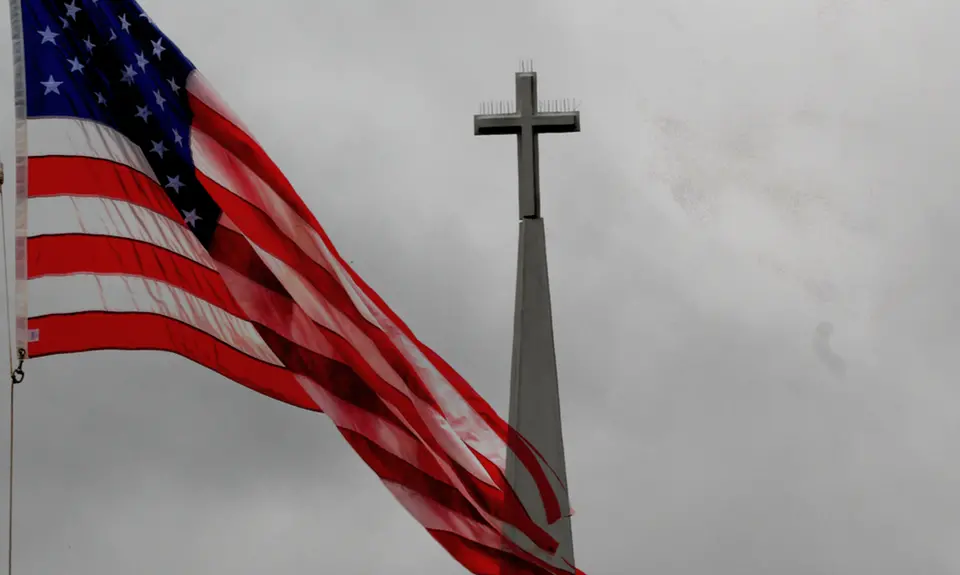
527 123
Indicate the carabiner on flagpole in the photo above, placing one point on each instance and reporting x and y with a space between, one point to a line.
17 375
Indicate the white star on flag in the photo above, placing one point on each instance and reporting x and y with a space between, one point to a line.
48 36
75 65
128 74
157 48
158 148
141 61
191 218
143 112
174 183
51 85
72 10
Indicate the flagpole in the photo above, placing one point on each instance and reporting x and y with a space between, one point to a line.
6 300
16 371
17 339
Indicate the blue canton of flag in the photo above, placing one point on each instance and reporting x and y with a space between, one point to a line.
105 60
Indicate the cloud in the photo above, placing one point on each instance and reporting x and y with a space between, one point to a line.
746 171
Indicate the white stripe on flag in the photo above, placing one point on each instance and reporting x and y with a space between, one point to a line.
77 293
52 215
86 138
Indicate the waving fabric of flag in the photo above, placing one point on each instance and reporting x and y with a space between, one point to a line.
153 220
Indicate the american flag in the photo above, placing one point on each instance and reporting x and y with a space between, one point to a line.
157 222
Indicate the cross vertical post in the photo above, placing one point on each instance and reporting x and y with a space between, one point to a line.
534 390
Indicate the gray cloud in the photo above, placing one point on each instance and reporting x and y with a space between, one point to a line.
746 171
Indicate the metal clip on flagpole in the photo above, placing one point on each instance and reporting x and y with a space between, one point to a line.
17 374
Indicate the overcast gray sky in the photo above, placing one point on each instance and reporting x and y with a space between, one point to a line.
747 170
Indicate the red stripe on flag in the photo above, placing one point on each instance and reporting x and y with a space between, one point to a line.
81 176
80 253
92 331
